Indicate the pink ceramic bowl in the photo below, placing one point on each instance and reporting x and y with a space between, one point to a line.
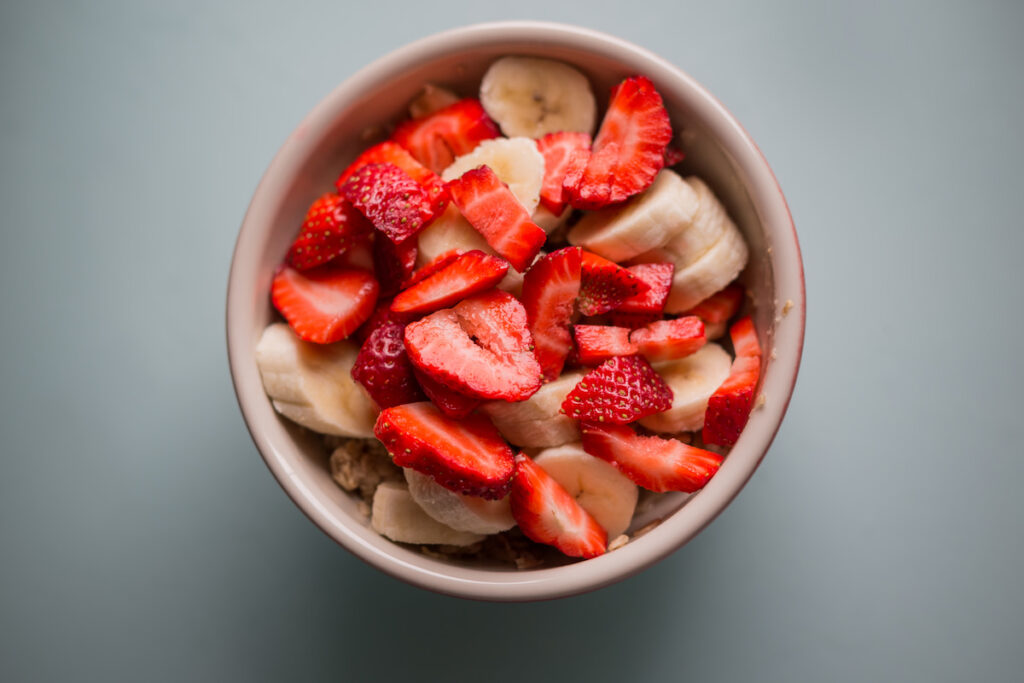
718 150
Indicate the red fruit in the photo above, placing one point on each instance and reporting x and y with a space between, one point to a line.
651 462
557 149
494 211
324 305
393 264
628 151
381 314
720 306
394 202
673 156
436 139
447 400
468 274
550 289
383 367
439 262
548 514
729 407
466 455
392 153
620 390
481 347
606 285
658 277
598 343
331 227
669 339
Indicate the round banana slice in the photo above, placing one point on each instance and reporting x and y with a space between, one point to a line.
710 223
711 272
448 231
608 495
396 515
692 379
538 421
460 512
516 161
312 383
532 97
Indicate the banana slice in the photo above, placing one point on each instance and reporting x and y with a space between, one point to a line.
548 221
608 495
432 98
516 161
448 231
645 222
538 421
710 223
711 272
397 516
532 97
692 379
312 383
458 511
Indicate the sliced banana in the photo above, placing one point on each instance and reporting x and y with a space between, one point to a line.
645 222
516 161
608 495
432 98
448 231
460 512
548 221
532 97
312 383
538 421
710 223
692 379
396 515
711 272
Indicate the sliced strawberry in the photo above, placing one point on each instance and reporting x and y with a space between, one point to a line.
481 347
447 400
494 211
669 339
466 455
628 151
439 262
651 462
673 156
331 227
633 321
598 343
620 390
395 203
557 149
468 274
381 314
729 407
383 367
436 139
606 285
658 277
720 306
550 289
393 264
548 514
324 305
392 153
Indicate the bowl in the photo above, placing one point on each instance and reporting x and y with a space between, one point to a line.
338 128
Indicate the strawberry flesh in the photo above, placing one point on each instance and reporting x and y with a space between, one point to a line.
392 153
620 390
670 339
550 289
393 264
597 343
468 274
605 285
395 203
436 139
557 150
383 368
439 262
729 407
447 400
720 306
331 227
658 278
324 305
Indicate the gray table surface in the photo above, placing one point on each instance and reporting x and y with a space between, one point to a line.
141 537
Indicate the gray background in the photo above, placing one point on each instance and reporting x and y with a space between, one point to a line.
141 537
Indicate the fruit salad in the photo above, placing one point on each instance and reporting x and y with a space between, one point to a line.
513 330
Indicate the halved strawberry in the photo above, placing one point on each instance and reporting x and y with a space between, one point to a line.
324 305
606 285
468 274
557 149
331 227
393 264
436 139
658 277
383 367
392 153
466 455
494 211
628 151
395 203
620 390
439 262
729 407
548 514
481 347
720 306
651 462
598 343
550 289
669 339
447 400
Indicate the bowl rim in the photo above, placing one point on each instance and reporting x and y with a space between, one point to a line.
676 530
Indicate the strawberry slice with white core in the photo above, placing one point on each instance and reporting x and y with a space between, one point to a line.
550 289
597 343
670 339
729 407
324 305
468 274
557 150
436 139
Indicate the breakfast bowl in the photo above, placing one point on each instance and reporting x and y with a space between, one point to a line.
359 112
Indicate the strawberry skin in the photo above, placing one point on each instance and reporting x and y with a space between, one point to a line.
392 153
550 289
729 407
605 285
658 278
494 211
447 400
557 150
670 339
395 203
482 347
383 367
620 390
331 227
651 462
597 343
466 455
720 306
436 139
547 513
468 274
324 305
393 264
